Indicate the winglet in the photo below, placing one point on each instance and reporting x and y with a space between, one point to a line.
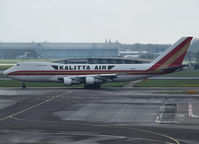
173 56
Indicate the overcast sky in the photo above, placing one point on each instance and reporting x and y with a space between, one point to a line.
128 21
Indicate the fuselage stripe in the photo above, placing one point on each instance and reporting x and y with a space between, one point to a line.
84 72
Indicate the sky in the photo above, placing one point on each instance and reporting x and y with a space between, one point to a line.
126 21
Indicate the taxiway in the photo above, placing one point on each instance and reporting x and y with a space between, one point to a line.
106 116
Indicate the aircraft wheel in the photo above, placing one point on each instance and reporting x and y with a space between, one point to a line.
23 85
95 86
98 86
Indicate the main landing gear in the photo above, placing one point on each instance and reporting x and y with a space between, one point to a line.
23 85
94 86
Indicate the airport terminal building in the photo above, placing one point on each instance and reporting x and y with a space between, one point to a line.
55 50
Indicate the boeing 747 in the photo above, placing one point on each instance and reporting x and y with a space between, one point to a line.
93 75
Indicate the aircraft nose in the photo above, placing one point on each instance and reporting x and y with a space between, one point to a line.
5 72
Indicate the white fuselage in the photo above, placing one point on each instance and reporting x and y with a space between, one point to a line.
51 72
94 74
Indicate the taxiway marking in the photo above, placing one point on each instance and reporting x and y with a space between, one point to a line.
34 106
159 134
110 126
12 116
190 110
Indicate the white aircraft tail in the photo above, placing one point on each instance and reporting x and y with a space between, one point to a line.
173 56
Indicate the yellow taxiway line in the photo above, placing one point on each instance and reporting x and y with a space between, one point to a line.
52 98
34 106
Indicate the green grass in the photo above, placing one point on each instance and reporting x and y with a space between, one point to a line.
4 67
175 92
145 83
15 83
168 83
188 73
1 75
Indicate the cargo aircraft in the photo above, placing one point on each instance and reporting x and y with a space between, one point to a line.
93 75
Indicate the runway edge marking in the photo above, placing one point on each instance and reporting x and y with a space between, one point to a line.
34 106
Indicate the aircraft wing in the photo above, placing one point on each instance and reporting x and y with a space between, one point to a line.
99 76
103 77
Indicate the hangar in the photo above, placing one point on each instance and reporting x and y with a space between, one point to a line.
111 60
58 50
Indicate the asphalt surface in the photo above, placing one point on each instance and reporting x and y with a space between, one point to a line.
174 78
106 116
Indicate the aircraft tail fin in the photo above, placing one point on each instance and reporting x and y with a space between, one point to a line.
173 56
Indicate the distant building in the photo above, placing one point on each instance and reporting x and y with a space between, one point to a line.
51 50
132 54
104 61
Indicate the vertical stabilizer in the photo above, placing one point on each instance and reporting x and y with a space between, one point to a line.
173 56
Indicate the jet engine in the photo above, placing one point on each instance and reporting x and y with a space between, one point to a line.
67 81
92 80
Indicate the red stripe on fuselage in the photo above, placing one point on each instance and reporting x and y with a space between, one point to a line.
129 72
72 72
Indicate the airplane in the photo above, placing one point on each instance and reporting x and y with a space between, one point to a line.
93 75
25 56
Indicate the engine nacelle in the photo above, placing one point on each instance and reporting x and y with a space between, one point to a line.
92 80
67 81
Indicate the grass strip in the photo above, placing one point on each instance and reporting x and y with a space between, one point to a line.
5 67
15 83
190 73
168 83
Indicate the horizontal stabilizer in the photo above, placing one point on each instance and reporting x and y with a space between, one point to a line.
173 68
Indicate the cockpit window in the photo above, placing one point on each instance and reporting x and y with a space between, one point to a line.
17 64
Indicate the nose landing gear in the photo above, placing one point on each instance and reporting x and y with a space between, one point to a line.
23 85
